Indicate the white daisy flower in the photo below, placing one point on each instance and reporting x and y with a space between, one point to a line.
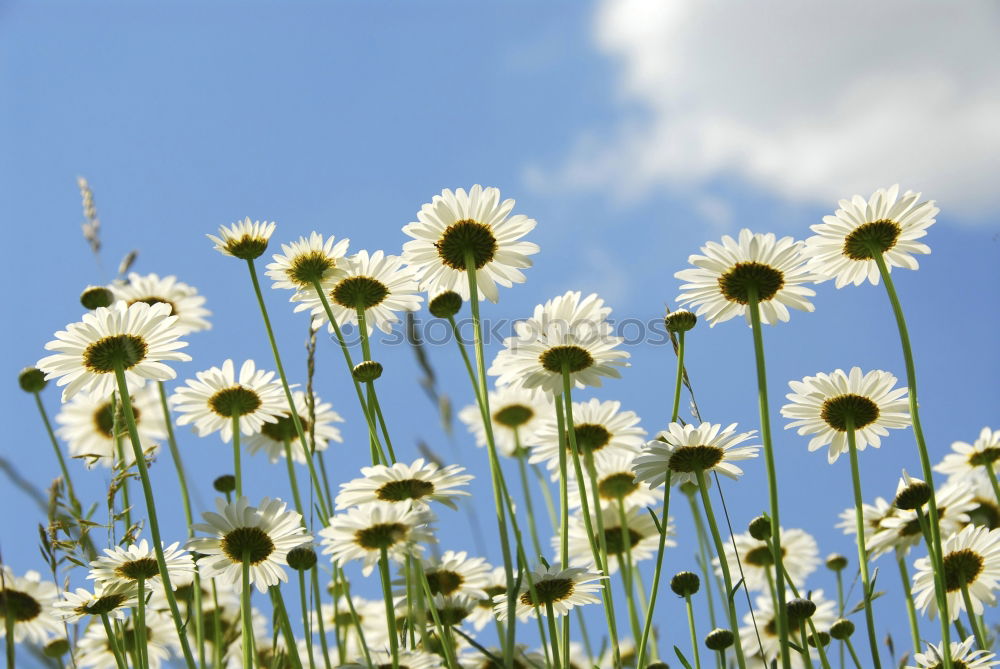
184 300
720 284
685 449
971 560
872 516
261 535
846 242
565 332
363 531
496 584
29 601
112 599
455 573
473 658
616 480
243 239
87 425
139 337
800 555
516 411
767 626
416 484
120 565
564 589
822 405
379 284
638 534
455 224
93 650
962 655
307 260
901 530
272 436
408 659
968 458
217 395
987 509
602 429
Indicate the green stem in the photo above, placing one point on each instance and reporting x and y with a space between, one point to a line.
355 618
120 453
58 451
596 543
911 611
862 551
292 480
154 525
554 634
720 550
292 411
973 623
925 462
140 623
526 488
237 456
772 478
320 624
658 569
675 409
9 634
112 644
806 655
694 634
306 625
461 349
390 612
626 566
448 642
373 403
245 612
708 575
840 607
854 655
993 480
278 604
216 629
495 470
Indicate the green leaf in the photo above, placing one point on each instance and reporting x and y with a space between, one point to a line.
732 593
680 656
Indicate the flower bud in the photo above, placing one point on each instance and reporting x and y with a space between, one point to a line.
719 639
823 637
446 305
800 609
836 562
760 528
911 493
32 380
366 371
685 583
681 320
56 648
842 629
301 558
93 297
225 483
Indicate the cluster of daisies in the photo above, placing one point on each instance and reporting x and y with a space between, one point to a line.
605 486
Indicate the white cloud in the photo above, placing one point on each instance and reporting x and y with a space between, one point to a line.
812 101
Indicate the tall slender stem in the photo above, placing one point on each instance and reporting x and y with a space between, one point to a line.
911 612
112 644
727 578
320 623
600 558
292 411
245 611
8 621
306 624
390 609
373 404
554 634
854 654
992 475
281 612
708 575
522 468
925 462
694 634
58 451
154 525
658 569
772 477
139 626
237 464
495 470
973 623
862 550
292 480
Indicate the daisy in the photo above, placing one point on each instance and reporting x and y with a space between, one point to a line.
416 484
272 436
971 561
872 516
720 285
496 584
217 396
475 658
962 655
826 404
138 561
455 225
967 458
901 530
306 261
517 415
800 555
567 332
846 242
87 424
139 338
184 300
762 620
363 532
261 535
602 429
686 450
378 284
371 616
243 239
616 481
562 589
408 659
29 601
93 650
987 509
455 573
639 535
112 599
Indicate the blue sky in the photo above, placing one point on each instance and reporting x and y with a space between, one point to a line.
345 118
